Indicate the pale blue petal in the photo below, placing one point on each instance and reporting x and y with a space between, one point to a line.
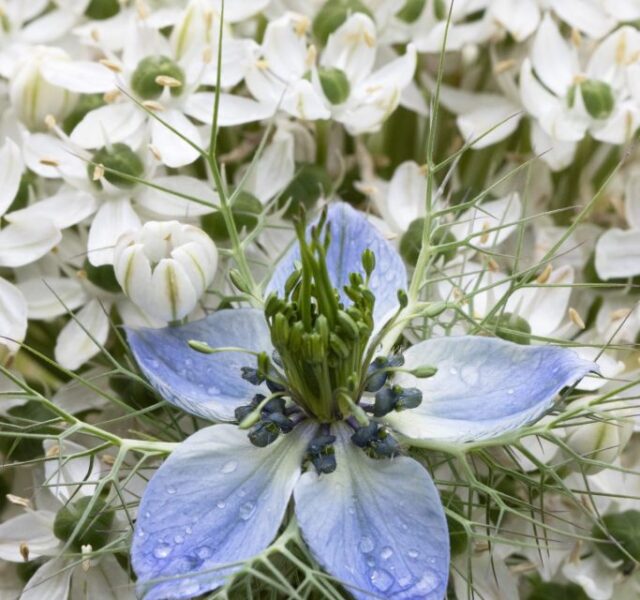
207 385
351 235
484 386
217 500
377 526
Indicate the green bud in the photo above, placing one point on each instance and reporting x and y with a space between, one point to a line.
411 10
598 98
85 104
440 10
368 261
201 347
348 326
621 531
510 327
403 299
424 371
310 183
333 14
95 527
411 242
104 276
245 211
144 79
102 9
335 84
120 158
238 280
549 590
272 305
571 96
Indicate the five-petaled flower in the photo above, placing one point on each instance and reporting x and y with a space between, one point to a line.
329 419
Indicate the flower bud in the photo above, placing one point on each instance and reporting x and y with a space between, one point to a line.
598 98
32 96
86 103
510 327
144 80
118 157
310 183
165 267
602 440
411 242
95 526
333 14
246 210
335 84
102 9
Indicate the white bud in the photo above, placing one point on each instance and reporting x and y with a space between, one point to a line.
33 98
165 267
604 438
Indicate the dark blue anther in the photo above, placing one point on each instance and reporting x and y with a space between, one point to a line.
320 442
245 410
275 405
375 441
386 400
363 436
321 453
376 375
285 424
264 434
409 398
274 387
252 375
324 463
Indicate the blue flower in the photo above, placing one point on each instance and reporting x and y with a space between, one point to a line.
371 516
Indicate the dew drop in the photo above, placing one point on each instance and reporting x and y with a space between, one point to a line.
213 390
171 490
386 553
382 580
453 371
178 539
510 391
242 493
162 551
412 554
351 510
220 504
188 362
188 530
204 552
147 515
229 466
366 544
247 510
406 581
370 561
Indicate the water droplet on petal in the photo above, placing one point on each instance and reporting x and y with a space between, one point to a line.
171 490
147 515
188 530
220 504
213 390
453 371
386 553
406 581
382 580
366 544
413 554
242 493
370 561
510 391
162 551
178 539
247 510
204 552
229 466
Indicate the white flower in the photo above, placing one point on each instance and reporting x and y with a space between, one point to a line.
166 267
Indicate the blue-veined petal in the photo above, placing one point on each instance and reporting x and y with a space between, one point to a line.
351 235
484 386
216 501
207 385
377 526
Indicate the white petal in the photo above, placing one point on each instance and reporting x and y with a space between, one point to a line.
11 167
171 294
274 169
232 110
557 154
609 367
35 528
584 15
23 242
79 76
175 151
554 60
13 316
73 346
68 207
168 206
631 204
114 218
106 580
108 125
520 23
405 198
51 581
49 297
618 254
41 147
493 122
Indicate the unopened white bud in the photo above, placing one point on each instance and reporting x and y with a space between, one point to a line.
33 98
165 267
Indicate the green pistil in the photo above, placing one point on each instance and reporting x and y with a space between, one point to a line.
320 341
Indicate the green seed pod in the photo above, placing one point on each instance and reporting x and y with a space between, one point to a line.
143 80
85 104
411 242
95 528
102 9
411 10
624 528
333 14
335 84
510 327
245 210
104 276
598 98
309 184
119 158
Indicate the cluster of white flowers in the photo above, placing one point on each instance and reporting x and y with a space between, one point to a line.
109 211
